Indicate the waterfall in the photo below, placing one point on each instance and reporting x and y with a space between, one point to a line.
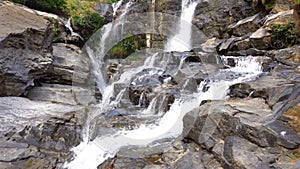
182 40
91 153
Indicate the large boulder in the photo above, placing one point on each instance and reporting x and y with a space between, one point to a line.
25 49
251 119
213 17
37 134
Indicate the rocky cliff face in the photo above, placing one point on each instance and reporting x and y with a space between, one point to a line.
257 127
25 49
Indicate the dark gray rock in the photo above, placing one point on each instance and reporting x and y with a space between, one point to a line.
245 26
286 136
242 154
34 133
213 17
25 47
105 10
66 62
246 118
288 56
63 94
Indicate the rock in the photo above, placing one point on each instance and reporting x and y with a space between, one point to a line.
123 163
105 10
210 45
246 118
285 19
241 45
66 62
63 94
37 134
197 160
12 151
288 56
25 49
228 44
294 117
213 17
283 5
245 26
286 136
261 39
242 154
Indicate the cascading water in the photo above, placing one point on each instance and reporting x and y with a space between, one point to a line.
91 153
182 40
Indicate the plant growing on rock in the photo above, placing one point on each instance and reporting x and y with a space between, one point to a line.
283 34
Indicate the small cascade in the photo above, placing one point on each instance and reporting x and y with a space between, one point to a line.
169 123
182 40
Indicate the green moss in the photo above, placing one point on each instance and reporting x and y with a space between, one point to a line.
283 35
82 12
128 46
269 4
53 6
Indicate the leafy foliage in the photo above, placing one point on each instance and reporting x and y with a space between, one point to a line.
84 17
283 35
128 46
53 6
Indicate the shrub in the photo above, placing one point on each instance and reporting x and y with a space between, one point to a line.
53 6
283 35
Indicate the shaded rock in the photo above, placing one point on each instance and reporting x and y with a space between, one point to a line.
190 160
245 26
228 44
25 43
247 52
105 10
242 154
246 118
261 39
37 134
288 56
210 45
63 94
133 163
286 136
66 62
197 160
241 45
213 17
282 5
12 151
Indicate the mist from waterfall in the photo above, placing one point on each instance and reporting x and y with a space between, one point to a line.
181 41
91 153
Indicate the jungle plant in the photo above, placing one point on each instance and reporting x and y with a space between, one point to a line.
283 34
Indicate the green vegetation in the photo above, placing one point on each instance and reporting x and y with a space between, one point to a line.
298 1
283 35
84 17
128 46
269 4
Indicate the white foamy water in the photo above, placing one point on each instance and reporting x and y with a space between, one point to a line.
182 40
91 154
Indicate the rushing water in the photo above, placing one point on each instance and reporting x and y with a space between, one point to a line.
91 153
182 40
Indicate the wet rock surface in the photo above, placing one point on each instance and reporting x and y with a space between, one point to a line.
37 134
256 127
25 48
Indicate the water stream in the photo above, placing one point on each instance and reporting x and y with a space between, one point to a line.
182 39
92 152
